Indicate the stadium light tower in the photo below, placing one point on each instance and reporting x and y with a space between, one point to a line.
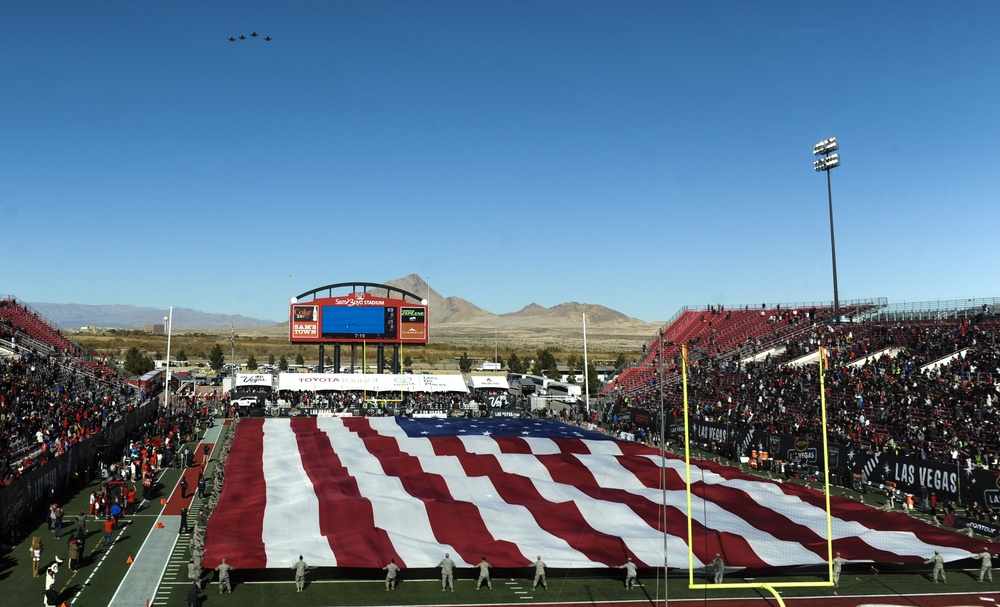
828 161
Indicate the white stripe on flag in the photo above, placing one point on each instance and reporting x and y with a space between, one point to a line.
608 517
772 497
396 512
291 517
579 502
510 522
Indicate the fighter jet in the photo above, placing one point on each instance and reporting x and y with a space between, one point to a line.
231 39
242 37
253 35
267 39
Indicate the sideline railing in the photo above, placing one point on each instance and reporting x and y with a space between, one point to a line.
942 309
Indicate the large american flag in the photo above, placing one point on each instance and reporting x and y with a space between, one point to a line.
358 491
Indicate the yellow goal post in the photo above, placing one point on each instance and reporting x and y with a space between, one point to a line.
773 586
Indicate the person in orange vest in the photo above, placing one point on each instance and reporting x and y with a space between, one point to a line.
109 526
131 499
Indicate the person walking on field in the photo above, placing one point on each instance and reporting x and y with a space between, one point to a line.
224 568
109 528
838 566
447 573
484 574
194 573
985 565
631 572
81 523
938 570
719 568
36 555
73 553
539 574
300 574
390 577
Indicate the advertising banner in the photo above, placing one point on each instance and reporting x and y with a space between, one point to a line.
305 322
368 382
257 380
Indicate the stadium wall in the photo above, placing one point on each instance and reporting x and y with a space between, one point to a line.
31 494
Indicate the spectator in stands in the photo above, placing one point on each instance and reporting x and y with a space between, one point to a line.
884 402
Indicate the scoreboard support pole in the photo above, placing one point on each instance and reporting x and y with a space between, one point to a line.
336 357
321 357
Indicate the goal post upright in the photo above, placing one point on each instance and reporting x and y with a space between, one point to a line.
687 465
774 586
826 464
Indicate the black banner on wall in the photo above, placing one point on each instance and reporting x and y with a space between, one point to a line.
30 494
881 470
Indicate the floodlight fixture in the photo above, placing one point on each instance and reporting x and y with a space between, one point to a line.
826 146
825 164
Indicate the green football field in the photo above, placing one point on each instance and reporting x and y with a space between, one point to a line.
104 569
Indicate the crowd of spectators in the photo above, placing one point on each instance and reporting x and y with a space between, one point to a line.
925 389
375 403
48 403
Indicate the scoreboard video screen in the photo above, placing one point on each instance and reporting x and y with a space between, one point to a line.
357 317
358 323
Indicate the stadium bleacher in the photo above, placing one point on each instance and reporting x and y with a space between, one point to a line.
50 396
932 392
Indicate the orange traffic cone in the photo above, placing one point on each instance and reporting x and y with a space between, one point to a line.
163 501
159 525
129 561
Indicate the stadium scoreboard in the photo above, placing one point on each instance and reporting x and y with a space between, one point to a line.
356 318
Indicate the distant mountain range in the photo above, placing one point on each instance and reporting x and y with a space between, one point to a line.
75 316
444 311
455 310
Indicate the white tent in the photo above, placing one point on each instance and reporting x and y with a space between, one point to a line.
489 382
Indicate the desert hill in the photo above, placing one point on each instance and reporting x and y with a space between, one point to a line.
459 322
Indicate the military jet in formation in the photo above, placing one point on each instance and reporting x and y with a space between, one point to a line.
253 35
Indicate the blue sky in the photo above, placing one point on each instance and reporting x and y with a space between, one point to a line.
639 155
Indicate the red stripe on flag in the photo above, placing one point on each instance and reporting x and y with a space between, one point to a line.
346 518
562 520
236 534
708 541
454 522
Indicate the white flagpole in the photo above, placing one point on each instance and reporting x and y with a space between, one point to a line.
232 341
586 370
170 330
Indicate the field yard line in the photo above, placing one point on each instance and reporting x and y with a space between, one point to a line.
97 566
139 557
